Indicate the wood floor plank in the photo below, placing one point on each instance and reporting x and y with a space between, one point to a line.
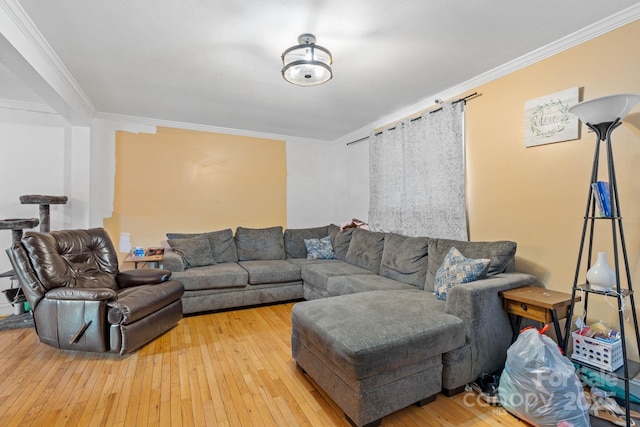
231 368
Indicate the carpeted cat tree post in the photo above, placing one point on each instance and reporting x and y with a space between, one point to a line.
13 294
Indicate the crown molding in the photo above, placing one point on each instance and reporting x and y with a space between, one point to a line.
146 121
592 31
33 107
64 91
585 34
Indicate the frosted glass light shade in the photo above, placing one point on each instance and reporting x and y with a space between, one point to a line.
605 109
307 64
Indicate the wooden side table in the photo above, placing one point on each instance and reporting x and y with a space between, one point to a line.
155 259
539 304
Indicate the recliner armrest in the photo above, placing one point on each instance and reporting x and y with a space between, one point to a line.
150 276
81 294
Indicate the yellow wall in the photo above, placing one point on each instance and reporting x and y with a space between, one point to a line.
537 196
190 181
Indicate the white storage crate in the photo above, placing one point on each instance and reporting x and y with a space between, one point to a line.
601 354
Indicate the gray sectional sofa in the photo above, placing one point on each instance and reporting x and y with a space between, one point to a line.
340 335
254 266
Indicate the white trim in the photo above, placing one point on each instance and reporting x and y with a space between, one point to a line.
594 30
33 107
20 31
120 118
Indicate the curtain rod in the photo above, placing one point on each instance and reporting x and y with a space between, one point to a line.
463 99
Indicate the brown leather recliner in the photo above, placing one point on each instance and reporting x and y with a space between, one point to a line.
81 301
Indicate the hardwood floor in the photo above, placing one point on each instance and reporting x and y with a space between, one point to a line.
225 369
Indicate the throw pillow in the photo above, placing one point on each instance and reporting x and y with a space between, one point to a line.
501 253
319 248
196 251
457 269
222 244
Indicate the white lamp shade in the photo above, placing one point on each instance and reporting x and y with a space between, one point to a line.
606 109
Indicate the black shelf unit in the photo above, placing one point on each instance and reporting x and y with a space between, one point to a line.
621 292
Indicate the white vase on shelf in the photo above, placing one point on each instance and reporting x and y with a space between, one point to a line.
600 276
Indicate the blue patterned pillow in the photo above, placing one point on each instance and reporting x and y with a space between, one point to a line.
457 269
319 248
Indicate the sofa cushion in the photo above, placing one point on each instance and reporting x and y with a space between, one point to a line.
222 243
271 271
319 248
343 285
369 333
259 243
501 254
316 275
340 240
196 251
219 276
365 249
306 261
405 259
457 269
294 246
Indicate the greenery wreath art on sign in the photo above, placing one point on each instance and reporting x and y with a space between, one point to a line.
548 120
541 114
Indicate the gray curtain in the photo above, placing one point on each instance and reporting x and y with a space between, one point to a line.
416 176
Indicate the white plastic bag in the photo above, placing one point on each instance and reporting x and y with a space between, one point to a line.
539 385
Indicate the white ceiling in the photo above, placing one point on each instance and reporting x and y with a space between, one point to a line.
217 63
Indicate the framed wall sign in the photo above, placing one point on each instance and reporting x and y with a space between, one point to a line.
547 119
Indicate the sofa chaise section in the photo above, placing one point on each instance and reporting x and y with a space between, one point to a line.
375 352
413 263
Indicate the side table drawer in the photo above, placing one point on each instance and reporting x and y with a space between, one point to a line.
529 311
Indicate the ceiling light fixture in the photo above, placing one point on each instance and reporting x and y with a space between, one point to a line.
307 64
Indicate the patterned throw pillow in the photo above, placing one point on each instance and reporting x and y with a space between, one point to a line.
457 269
319 248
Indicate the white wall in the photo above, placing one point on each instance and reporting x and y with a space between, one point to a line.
310 184
103 165
41 154
351 169
326 183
